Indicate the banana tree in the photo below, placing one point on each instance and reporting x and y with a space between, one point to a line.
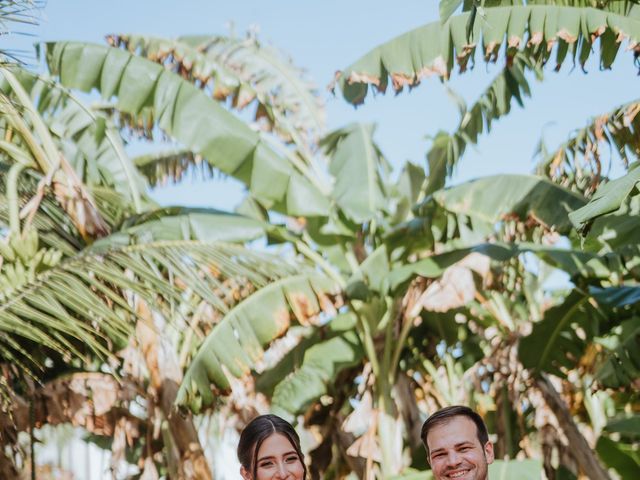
72 293
374 260
352 208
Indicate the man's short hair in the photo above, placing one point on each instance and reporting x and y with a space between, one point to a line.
446 414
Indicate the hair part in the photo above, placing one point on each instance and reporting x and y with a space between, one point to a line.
445 415
256 432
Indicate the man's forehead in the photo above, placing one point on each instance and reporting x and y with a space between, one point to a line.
452 431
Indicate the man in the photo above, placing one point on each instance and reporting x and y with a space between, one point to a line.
457 444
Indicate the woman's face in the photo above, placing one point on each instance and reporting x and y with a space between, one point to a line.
276 460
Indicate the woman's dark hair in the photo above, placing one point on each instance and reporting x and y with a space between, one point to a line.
256 432
446 414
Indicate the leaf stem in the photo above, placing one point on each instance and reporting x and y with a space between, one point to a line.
320 262
12 196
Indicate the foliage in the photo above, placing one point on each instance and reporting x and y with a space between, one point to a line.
534 29
376 300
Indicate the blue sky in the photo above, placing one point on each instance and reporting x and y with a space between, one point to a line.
327 36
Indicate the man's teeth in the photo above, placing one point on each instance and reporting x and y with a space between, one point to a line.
458 474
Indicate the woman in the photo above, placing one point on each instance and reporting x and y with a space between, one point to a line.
269 449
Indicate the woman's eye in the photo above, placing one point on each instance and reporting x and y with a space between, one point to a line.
291 459
265 464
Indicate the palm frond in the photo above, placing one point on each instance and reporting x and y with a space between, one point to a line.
193 119
354 154
40 151
535 29
582 162
305 373
242 71
608 198
171 165
495 102
183 223
82 305
54 226
86 137
15 14
236 343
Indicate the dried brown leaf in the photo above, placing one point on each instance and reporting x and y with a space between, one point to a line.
356 77
437 67
149 472
536 39
442 296
566 36
283 320
599 31
514 41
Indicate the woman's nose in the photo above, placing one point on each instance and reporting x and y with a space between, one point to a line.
281 472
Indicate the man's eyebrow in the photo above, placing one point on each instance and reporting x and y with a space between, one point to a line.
466 442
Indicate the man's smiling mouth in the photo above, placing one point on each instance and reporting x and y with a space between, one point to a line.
458 473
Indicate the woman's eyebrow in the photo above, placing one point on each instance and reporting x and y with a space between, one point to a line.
270 457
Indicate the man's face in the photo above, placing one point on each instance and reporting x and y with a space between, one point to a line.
456 453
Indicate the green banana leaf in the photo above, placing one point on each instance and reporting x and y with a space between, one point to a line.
579 161
191 117
357 165
509 85
87 137
494 198
623 458
242 71
575 263
607 198
238 341
554 343
432 49
306 372
77 306
621 366
626 426
182 223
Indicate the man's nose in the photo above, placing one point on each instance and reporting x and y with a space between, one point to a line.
453 458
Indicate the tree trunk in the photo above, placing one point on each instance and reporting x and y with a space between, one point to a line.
406 400
165 375
185 435
8 468
587 461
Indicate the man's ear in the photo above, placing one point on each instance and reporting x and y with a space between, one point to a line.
488 452
245 474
